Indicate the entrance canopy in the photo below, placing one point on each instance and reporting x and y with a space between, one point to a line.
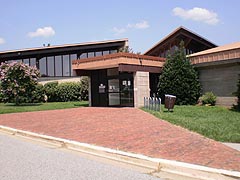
123 61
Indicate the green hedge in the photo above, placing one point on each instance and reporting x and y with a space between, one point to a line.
38 94
67 91
50 90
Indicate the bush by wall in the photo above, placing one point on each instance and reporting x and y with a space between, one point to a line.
84 88
67 91
208 98
38 94
50 90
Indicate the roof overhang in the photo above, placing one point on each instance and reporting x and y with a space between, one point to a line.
63 49
123 61
229 53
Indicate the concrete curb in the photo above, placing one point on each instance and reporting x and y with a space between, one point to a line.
156 164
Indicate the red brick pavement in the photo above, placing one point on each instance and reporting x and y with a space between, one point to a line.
130 130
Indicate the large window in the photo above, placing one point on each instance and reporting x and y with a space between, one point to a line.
42 67
73 57
90 54
58 65
66 71
83 56
50 63
32 61
26 61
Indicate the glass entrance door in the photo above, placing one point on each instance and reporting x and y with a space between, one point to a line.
120 88
126 91
113 92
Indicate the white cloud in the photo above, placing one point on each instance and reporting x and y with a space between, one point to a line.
197 14
141 25
42 32
2 41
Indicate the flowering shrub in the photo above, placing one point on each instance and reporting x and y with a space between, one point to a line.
18 82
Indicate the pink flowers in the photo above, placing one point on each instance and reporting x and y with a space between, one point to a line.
17 80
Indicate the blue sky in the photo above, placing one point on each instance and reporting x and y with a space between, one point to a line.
29 23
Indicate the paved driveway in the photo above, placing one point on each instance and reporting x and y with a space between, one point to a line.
127 129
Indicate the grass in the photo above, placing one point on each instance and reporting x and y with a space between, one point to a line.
214 122
11 108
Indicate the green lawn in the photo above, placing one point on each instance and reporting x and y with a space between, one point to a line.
214 122
11 108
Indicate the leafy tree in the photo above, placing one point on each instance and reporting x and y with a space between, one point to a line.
179 78
238 95
18 82
126 49
237 107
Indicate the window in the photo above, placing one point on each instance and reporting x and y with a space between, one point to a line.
73 57
26 61
50 64
90 54
99 53
33 62
42 66
83 56
105 52
66 71
113 51
58 65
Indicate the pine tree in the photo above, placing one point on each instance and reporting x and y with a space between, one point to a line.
179 78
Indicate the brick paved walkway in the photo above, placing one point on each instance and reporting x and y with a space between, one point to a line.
127 129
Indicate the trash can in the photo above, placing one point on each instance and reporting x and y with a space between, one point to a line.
169 101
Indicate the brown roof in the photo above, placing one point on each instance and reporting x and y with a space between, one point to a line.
226 47
65 45
116 55
179 30
116 59
229 53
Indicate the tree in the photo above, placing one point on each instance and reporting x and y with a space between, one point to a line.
237 107
179 78
18 82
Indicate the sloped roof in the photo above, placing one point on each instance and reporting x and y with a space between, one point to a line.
177 32
62 49
226 47
65 45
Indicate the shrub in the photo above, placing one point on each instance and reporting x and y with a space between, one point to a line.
84 89
237 107
18 82
50 90
208 98
38 94
68 91
179 78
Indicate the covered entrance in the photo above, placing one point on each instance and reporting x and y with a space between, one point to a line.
120 79
112 88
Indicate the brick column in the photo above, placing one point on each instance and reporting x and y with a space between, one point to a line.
141 87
